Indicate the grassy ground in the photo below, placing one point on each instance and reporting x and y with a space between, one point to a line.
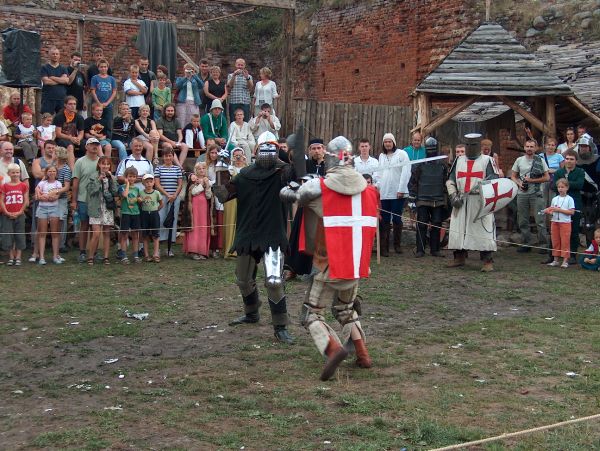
459 356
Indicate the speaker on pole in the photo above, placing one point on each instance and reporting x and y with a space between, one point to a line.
21 58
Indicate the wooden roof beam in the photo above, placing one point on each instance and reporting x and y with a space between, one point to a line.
443 118
281 4
585 110
529 117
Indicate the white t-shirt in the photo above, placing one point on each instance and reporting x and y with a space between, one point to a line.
366 167
46 187
134 101
46 133
565 203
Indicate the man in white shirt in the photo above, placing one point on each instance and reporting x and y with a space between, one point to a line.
364 163
264 122
136 160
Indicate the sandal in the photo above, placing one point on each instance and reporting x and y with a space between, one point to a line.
148 259
106 261
156 259
90 262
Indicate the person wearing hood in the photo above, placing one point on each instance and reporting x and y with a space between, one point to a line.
214 124
340 224
428 189
392 182
590 163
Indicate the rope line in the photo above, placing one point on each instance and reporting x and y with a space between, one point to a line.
518 433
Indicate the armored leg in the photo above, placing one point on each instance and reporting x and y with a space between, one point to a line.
273 264
422 221
437 216
245 273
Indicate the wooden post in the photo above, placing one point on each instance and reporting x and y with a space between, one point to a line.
551 116
423 112
80 36
285 105
529 117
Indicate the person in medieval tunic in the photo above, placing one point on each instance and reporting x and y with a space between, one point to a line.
466 232
260 233
340 223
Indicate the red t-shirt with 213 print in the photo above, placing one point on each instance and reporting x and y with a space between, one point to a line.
14 196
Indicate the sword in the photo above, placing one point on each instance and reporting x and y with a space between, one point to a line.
410 163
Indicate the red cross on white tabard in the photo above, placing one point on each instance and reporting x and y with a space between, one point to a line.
497 197
469 175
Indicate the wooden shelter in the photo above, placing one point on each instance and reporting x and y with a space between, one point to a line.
489 65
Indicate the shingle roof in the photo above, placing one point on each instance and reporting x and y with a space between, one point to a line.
579 66
491 62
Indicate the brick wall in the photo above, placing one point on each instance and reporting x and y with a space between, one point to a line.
377 51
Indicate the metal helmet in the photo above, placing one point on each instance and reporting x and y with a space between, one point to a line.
268 150
473 141
431 146
339 152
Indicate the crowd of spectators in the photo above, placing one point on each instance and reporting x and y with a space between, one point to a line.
85 172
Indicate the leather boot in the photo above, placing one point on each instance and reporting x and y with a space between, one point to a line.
384 239
459 260
362 355
335 355
280 320
398 238
488 266
251 306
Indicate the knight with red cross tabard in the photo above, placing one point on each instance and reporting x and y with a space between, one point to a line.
468 230
340 221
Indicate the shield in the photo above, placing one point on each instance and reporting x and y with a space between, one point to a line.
495 195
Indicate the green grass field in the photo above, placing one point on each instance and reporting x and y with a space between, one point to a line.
458 356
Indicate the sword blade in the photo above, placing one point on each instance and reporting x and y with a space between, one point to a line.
410 163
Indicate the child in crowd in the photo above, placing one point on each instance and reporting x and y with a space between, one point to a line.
561 208
135 90
64 177
101 192
14 199
161 96
193 136
26 135
47 193
168 179
150 219
591 259
238 162
46 131
130 214
103 88
196 240
98 127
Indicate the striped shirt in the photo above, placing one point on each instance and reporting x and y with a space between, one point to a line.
169 177
64 175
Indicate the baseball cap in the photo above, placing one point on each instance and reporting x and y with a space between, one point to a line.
92 141
147 176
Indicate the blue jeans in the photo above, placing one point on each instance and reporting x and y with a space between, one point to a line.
395 206
120 148
235 106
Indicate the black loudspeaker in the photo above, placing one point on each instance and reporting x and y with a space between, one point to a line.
21 58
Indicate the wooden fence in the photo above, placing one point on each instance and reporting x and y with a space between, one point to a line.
354 121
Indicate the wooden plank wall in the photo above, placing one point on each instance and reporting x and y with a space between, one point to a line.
327 120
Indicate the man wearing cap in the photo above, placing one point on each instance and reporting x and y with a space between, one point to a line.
265 121
392 182
85 169
137 161
214 124
316 157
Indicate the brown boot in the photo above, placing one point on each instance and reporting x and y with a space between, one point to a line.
362 355
335 355
398 238
459 260
487 267
384 239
